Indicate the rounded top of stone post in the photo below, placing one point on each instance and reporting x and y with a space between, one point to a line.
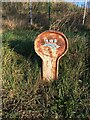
51 43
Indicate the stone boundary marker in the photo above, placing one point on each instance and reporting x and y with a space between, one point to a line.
50 46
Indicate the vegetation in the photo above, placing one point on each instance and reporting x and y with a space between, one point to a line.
25 96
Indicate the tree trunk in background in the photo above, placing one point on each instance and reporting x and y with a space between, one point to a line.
84 15
31 12
49 11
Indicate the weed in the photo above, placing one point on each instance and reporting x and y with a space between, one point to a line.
25 96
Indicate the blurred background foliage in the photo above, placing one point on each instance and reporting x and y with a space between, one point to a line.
18 14
25 96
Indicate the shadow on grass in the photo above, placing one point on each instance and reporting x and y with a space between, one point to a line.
26 49
42 20
89 51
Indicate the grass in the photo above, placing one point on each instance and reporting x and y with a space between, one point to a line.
25 96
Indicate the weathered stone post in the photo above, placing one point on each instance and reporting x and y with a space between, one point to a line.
50 46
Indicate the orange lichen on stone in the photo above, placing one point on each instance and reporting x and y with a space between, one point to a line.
51 46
